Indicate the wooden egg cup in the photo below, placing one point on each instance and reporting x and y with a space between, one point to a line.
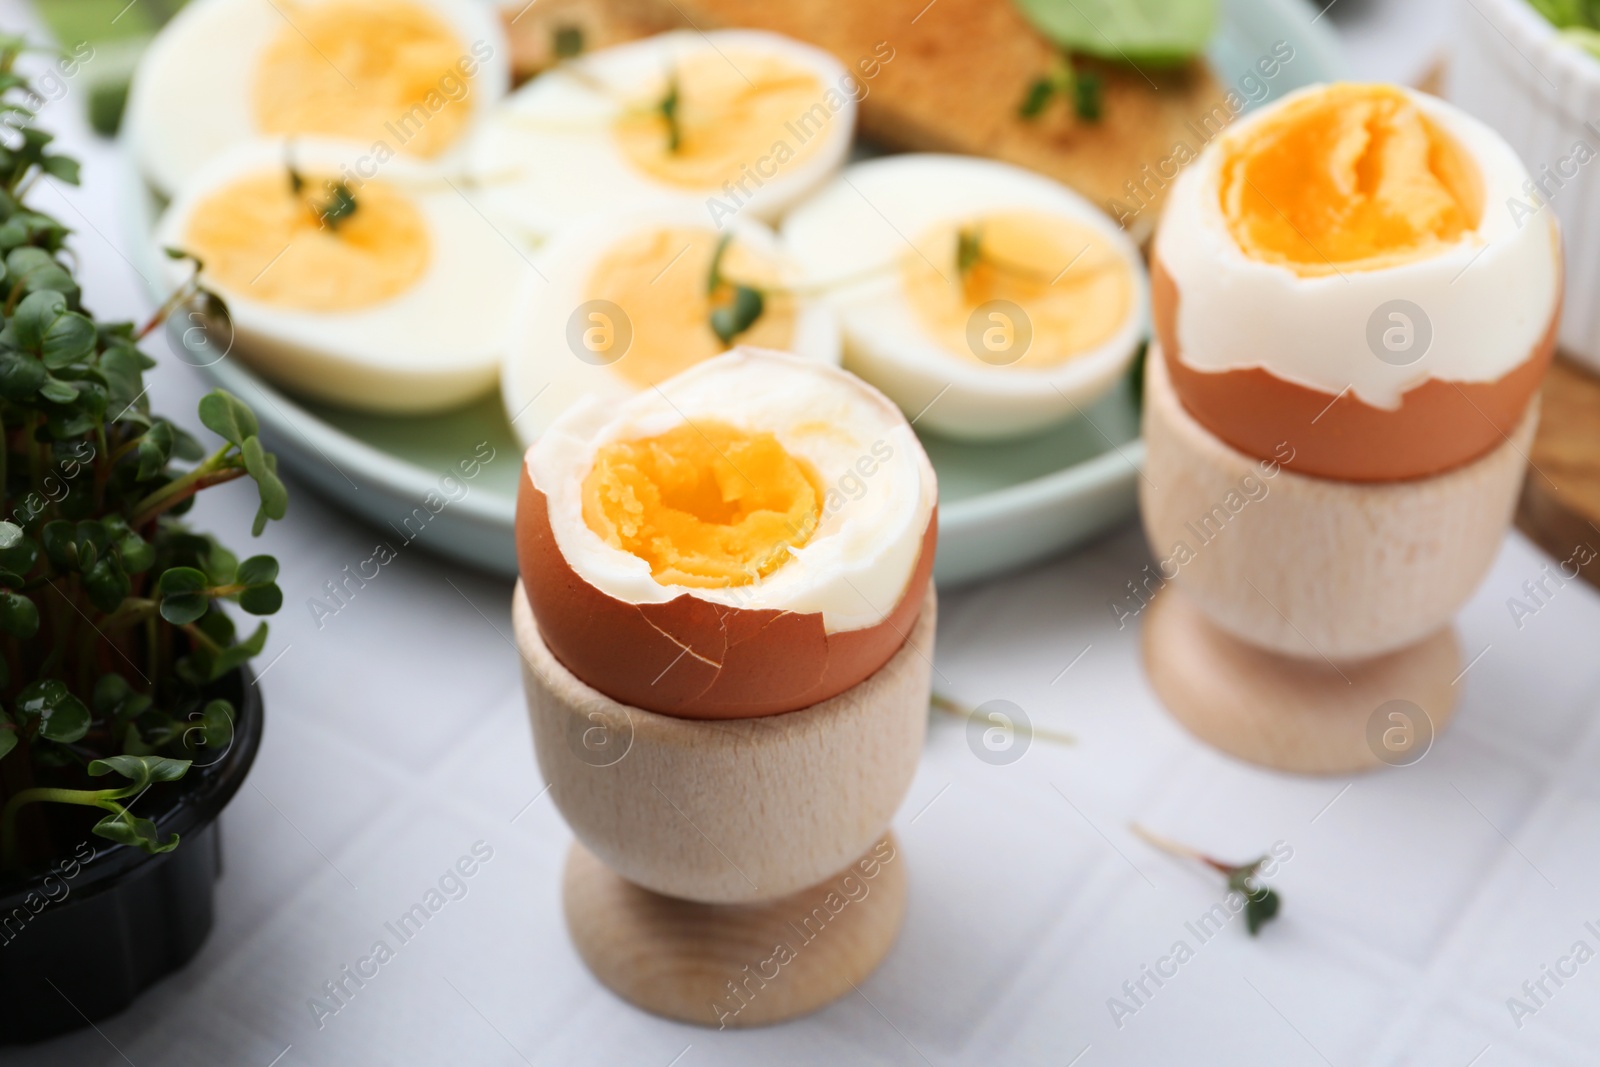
735 872
1306 604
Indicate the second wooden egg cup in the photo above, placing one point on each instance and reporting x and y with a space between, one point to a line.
1304 605
736 872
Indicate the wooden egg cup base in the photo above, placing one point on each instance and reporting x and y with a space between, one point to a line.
734 965
1307 716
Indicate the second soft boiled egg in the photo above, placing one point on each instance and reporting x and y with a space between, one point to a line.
734 123
625 302
985 300
752 537
385 293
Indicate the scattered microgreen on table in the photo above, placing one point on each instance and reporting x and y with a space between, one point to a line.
1261 903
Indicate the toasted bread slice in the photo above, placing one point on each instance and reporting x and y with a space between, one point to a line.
949 76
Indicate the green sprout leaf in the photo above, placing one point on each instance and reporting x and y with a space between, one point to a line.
1040 90
61 716
668 109
19 616
1260 908
567 41
228 417
735 317
185 595
141 770
1088 96
339 206
969 250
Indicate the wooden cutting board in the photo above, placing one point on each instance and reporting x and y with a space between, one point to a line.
1560 506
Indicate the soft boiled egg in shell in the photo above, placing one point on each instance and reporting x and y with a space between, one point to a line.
1339 277
752 537
986 300
399 307
400 77
623 302
758 121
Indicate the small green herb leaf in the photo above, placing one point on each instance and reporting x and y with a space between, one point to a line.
19 616
1088 96
567 41
668 108
1040 90
1260 908
735 317
227 416
969 250
126 829
339 206
140 770
184 595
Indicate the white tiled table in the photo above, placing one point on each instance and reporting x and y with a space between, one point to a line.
1416 900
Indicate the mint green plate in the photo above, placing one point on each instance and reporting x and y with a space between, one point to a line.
1001 506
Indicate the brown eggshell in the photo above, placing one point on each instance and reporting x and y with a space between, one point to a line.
694 659
1438 425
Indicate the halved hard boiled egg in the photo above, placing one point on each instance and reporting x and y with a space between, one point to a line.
1343 273
751 537
635 298
986 300
401 77
735 123
386 293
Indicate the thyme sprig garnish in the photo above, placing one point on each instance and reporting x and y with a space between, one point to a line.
1262 902
1084 90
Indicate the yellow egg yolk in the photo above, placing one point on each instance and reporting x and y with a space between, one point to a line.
1355 177
365 69
1073 286
658 278
262 241
705 504
743 114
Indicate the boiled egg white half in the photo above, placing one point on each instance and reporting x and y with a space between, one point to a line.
401 77
624 302
735 123
986 300
399 306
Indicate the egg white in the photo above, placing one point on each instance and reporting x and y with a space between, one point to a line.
879 488
542 376
548 154
1488 298
190 99
867 220
436 345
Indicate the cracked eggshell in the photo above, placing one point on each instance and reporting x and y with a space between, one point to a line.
808 631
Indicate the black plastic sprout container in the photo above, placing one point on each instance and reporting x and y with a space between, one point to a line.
80 941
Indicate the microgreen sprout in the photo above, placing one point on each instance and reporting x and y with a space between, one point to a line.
1261 902
1084 90
736 312
113 636
668 109
566 41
